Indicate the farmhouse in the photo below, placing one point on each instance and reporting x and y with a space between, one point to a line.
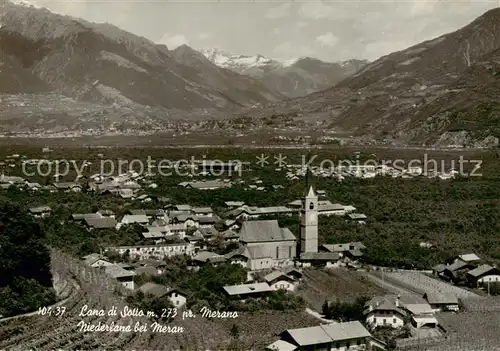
243 291
177 298
482 275
385 311
281 281
133 219
207 257
96 260
327 208
456 269
40 211
126 278
101 223
442 302
422 315
335 336
357 217
469 258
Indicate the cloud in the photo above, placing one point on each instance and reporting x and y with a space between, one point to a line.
327 39
301 24
315 10
281 11
276 31
173 41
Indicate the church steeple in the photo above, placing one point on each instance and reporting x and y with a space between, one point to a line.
309 223
311 192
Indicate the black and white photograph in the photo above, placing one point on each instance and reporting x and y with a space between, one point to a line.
250 175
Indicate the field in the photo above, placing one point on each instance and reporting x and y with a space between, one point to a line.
420 283
332 284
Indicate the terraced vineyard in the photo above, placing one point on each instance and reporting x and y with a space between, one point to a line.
467 331
79 285
332 284
420 283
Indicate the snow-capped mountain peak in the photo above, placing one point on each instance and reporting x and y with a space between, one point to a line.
241 63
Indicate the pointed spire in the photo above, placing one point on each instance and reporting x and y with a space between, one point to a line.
311 192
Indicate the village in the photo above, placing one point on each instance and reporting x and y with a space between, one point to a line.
273 258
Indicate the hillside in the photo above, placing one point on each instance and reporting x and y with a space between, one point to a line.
398 95
309 75
103 64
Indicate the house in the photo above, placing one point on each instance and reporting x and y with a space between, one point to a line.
206 184
357 217
267 244
247 212
442 302
336 336
238 256
207 257
177 298
328 209
187 221
482 275
207 221
40 211
126 193
230 236
457 270
422 315
154 251
106 213
81 217
209 233
243 291
203 211
385 311
159 265
96 260
146 270
68 186
233 204
135 219
126 278
351 251
100 223
469 258
281 281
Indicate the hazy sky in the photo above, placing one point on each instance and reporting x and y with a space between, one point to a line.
329 30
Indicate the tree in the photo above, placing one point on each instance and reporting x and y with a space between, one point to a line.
25 277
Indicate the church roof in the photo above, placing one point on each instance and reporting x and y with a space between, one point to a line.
267 230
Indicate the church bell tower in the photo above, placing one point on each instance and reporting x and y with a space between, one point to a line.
309 223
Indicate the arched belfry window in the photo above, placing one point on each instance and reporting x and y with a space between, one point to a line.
311 206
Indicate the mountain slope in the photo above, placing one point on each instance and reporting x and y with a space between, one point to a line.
396 94
101 63
308 75
294 78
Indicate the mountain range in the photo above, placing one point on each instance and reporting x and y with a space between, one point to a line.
292 78
443 91
63 73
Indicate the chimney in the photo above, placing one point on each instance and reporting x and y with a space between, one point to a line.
397 300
